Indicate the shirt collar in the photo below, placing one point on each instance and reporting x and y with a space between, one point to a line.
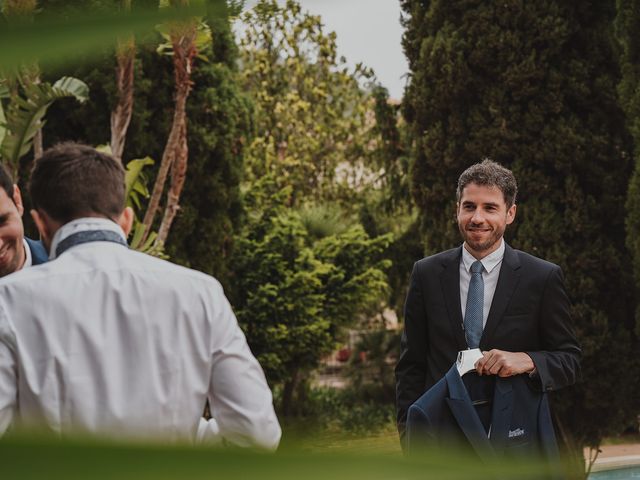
28 261
489 262
83 225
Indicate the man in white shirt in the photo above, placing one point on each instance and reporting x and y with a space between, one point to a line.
16 251
106 340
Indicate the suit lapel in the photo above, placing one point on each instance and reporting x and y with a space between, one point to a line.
501 413
466 416
507 281
450 282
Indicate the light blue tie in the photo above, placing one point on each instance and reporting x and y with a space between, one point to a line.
475 304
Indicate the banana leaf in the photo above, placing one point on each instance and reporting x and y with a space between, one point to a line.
25 116
135 182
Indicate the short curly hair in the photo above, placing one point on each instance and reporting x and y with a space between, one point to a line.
491 174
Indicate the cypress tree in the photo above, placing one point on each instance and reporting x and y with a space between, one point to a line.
532 85
628 30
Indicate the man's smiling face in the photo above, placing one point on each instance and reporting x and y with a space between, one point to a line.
12 254
483 217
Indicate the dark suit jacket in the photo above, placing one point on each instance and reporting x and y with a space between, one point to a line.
521 424
38 252
529 313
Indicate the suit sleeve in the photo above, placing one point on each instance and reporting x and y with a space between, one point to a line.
558 362
411 369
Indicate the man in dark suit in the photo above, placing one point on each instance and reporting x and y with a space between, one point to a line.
486 295
16 251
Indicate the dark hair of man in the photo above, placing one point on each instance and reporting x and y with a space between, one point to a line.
71 181
490 174
6 182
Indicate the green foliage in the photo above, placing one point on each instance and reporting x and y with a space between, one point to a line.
533 86
324 130
324 220
393 152
312 117
202 40
136 182
292 292
345 410
379 216
135 190
316 154
372 362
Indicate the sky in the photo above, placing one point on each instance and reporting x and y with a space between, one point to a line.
368 31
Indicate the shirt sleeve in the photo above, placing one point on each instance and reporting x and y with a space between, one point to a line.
239 396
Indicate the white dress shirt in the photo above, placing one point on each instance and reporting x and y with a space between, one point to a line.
490 274
111 341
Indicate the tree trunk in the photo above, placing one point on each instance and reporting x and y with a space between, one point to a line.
178 175
183 52
287 393
121 114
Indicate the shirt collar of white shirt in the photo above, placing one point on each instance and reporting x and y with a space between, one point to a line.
83 225
489 262
28 261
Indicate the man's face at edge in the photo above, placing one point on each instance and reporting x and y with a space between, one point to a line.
483 217
12 254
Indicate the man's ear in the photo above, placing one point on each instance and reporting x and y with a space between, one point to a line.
46 226
126 220
17 199
511 214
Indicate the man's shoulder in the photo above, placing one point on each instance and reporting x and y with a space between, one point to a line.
128 262
439 259
528 260
166 270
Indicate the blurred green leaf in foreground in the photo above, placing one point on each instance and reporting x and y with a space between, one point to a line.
40 457
62 39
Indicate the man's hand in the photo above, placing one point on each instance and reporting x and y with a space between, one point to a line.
504 364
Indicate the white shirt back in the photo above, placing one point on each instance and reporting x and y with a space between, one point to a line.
108 340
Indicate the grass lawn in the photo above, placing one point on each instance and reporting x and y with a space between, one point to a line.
384 442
